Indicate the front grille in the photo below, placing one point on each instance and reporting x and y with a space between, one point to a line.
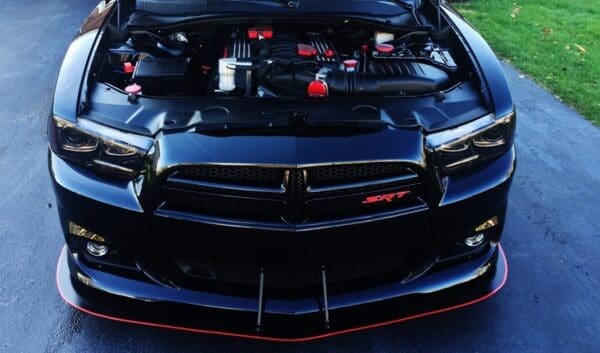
290 195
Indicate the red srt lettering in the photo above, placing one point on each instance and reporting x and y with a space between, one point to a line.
385 197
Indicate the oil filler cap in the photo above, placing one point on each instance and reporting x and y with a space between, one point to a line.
350 65
128 68
134 89
317 89
384 48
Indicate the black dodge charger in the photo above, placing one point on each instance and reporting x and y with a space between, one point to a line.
279 170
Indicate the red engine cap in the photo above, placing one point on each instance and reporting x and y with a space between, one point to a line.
329 53
306 50
255 32
350 63
134 89
252 33
266 32
128 68
384 48
317 89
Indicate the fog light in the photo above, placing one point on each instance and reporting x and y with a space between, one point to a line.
84 279
492 222
96 249
475 240
483 269
79 231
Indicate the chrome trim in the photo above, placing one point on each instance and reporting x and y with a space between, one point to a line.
285 165
489 144
231 187
113 166
319 42
455 147
118 137
241 48
283 227
106 144
347 186
82 149
440 140
444 139
462 161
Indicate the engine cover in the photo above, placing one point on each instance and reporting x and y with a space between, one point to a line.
286 47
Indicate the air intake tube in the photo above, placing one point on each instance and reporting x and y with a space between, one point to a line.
420 79
361 84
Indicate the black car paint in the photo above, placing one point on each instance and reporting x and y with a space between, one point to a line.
461 202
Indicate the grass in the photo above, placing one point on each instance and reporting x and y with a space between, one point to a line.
556 42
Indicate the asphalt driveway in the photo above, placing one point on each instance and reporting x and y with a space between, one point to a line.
551 302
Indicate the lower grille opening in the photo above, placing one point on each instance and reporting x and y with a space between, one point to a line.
288 280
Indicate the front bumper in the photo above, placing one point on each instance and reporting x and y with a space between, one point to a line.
127 302
114 210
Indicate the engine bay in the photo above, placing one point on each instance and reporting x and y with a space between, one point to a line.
280 60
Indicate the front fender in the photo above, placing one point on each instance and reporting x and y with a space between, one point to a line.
72 73
485 58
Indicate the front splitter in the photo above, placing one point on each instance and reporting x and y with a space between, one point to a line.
289 329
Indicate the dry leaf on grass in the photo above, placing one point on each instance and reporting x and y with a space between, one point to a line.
515 12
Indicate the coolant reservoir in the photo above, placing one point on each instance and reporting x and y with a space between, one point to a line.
383 37
227 74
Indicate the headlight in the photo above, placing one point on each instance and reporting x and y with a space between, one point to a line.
105 150
479 141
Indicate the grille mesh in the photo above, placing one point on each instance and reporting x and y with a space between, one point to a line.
224 206
335 174
238 175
